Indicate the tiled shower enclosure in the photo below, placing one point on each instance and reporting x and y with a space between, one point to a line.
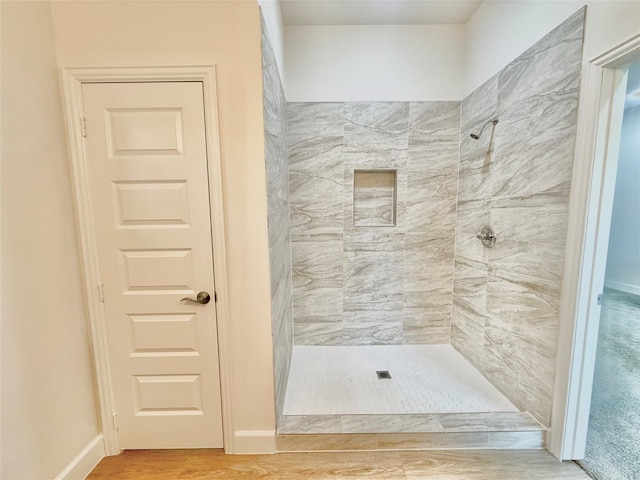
379 203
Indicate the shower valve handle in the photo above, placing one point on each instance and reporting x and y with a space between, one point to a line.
487 236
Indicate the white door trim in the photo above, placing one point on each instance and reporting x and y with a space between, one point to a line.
72 80
579 314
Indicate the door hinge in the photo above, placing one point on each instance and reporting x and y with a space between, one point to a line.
115 421
83 126
101 291
599 299
215 297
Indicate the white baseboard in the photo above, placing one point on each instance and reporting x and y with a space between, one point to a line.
80 467
623 287
254 442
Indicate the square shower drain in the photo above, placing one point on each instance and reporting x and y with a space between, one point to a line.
383 374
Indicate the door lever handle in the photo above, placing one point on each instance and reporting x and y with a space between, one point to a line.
202 298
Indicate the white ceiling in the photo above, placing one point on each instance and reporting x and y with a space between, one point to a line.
377 12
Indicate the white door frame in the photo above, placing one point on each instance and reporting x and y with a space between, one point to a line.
594 171
72 80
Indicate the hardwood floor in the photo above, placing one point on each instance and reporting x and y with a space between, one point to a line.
398 465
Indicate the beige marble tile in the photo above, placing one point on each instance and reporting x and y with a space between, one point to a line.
319 218
489 422
373 277
428 262
471 217
508 423
470 285
282 348
539 396
321 118
315 267
309 443
318 238
276 163
309 424
309 186
417 141
376 126
317 305
433 125
317 333
514 440
538 101
278 221
477 162
374 159
372 333
523 300
536 260
315 184
281 299
434 163
431 202
390 423
503 362
479 106
467 335
551 64
524 162
538 218
275 104
314 152
375 313
427 325
435 296
374 239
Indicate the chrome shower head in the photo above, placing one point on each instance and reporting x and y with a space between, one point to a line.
476 136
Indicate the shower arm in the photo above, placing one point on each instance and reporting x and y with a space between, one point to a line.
493 121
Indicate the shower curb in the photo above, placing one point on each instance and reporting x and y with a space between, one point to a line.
493 430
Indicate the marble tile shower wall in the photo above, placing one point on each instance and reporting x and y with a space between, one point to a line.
517 177
355 283
275 107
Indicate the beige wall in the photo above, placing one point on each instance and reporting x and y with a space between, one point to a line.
499 31
362 63
48 407
225 34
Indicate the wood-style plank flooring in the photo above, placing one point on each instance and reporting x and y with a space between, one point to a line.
399 465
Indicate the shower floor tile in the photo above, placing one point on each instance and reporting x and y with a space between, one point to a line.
424 379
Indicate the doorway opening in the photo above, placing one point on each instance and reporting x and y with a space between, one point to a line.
613 441
604 92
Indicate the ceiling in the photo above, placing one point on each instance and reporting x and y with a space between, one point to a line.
377 12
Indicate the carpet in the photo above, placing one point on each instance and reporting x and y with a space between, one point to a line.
613 438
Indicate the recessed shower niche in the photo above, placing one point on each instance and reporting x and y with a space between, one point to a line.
374 198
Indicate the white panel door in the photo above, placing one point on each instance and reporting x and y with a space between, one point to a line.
147 168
